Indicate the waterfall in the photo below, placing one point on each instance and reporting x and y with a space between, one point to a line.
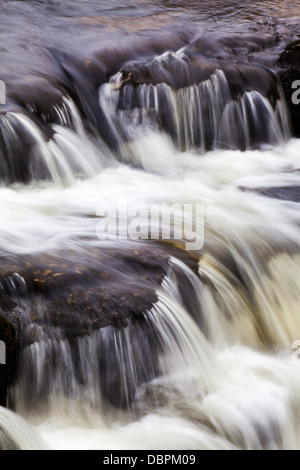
67 155
124 132
112 365
202 116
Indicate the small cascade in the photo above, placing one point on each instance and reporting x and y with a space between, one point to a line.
112 365
16 434
187 360
60 152
105 367
66 114
253 315
202 116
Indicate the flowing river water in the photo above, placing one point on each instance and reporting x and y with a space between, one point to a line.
135 343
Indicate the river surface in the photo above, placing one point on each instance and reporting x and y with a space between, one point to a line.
129 343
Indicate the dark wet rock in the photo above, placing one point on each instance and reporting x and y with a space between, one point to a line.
290 57
192 67
289 193
70 304
82 75
91 286
99 287
233 46
289 61
37 94
8 363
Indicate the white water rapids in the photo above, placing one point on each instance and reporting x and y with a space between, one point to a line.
236 388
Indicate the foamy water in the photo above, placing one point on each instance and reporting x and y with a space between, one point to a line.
202 353
243 383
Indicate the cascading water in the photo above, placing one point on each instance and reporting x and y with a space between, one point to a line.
202 116
115 342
